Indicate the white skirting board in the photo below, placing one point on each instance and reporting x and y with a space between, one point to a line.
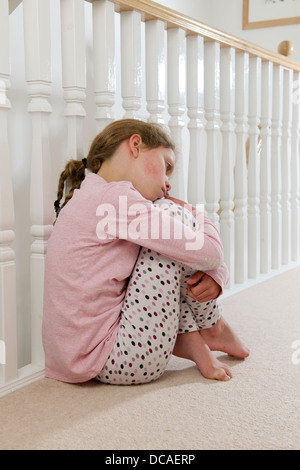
26 375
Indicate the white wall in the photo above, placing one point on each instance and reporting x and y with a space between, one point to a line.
227 15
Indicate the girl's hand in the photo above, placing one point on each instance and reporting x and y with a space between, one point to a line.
202 287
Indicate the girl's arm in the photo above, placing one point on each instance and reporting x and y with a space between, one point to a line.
141 222
209 285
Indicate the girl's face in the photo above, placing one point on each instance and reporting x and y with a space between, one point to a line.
155 166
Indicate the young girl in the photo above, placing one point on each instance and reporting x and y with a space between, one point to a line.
131 276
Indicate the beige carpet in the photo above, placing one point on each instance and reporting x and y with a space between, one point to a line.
258 409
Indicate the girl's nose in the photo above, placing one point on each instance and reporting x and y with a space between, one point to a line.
168 186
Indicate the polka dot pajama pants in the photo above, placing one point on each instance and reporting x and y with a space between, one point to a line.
155 310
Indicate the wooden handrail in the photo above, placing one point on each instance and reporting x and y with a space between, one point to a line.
152 10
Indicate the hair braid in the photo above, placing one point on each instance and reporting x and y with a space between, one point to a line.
74 173
103 147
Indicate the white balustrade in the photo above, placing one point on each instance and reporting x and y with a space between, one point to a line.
38 75
227 108
253 168
156 70
276 186
212 114
104 61
265 167
214 94
73 73
8 309
195 111
286 165
131 63
176 83
295 170
240 174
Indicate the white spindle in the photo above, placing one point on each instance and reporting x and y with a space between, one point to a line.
295 166
240 175
253 168
265 167
131 63
195 107
73 73
155 70
38 76
176 102
227 106
276 166
104 61
8 313
286 165
212 113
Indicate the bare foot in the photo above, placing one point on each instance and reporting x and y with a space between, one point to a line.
192 346
221 337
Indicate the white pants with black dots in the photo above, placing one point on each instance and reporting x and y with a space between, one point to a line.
155 310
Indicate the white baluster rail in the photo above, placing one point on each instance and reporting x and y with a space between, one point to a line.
212 114
131 63
286 165
276 167
38 77
73 73
253 168
155 70
295 170
176 81
240 172
195 111
104 62
227 107
232 108
265 167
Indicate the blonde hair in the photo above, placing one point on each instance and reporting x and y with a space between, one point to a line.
104 146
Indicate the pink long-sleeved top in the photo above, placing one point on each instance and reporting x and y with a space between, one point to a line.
90 256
